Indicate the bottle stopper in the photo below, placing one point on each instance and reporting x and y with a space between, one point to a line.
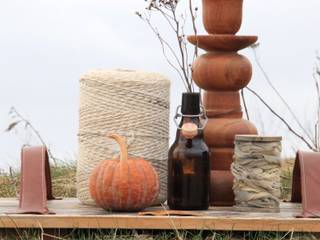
189 130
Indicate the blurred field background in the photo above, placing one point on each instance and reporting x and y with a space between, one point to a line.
64 180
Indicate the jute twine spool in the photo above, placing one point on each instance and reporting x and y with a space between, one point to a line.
131 103
256 169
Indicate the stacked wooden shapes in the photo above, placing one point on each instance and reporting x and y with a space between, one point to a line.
221 73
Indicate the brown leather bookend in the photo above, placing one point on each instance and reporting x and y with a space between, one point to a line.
35 187
306 183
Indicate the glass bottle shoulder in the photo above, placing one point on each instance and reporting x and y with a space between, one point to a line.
195 146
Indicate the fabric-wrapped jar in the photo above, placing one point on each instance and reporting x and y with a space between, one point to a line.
134 104
256 169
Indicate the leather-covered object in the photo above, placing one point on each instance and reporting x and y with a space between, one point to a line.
35 186
306 183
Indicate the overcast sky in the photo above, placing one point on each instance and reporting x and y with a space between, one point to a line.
46 45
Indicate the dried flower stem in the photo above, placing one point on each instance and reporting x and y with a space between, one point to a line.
254 48
195 31
19 119
168 10
291 129
316 77
182 47
244 104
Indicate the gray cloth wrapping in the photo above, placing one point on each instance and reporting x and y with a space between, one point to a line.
256 169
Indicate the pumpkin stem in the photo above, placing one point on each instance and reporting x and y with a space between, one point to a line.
122 144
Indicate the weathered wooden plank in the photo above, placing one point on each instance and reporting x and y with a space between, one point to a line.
72 214
138 222
73 203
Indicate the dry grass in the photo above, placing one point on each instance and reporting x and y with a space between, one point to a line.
101 234
9 183
286 178
63 181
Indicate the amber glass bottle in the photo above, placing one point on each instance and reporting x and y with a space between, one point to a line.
189 163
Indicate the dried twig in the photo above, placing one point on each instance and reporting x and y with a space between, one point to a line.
165 45
283 120
254 48
316 77
20 120
245 104
195 31
168 10
181 48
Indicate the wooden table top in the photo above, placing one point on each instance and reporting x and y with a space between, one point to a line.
70 213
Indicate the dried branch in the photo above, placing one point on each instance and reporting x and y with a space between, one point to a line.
180 41
316 78
19 119
167 17
12 126
164 44
244 104
282 120
184 47
254 48
195 31
168 10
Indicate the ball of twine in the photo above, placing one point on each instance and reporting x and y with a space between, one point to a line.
133 104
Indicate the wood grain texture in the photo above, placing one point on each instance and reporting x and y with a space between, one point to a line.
220 104
222 42
222 16
222 71
221 158
72 214
220 132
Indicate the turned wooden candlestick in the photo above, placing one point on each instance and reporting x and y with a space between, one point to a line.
222 16
222 72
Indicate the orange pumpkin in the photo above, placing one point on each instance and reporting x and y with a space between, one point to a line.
125 184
